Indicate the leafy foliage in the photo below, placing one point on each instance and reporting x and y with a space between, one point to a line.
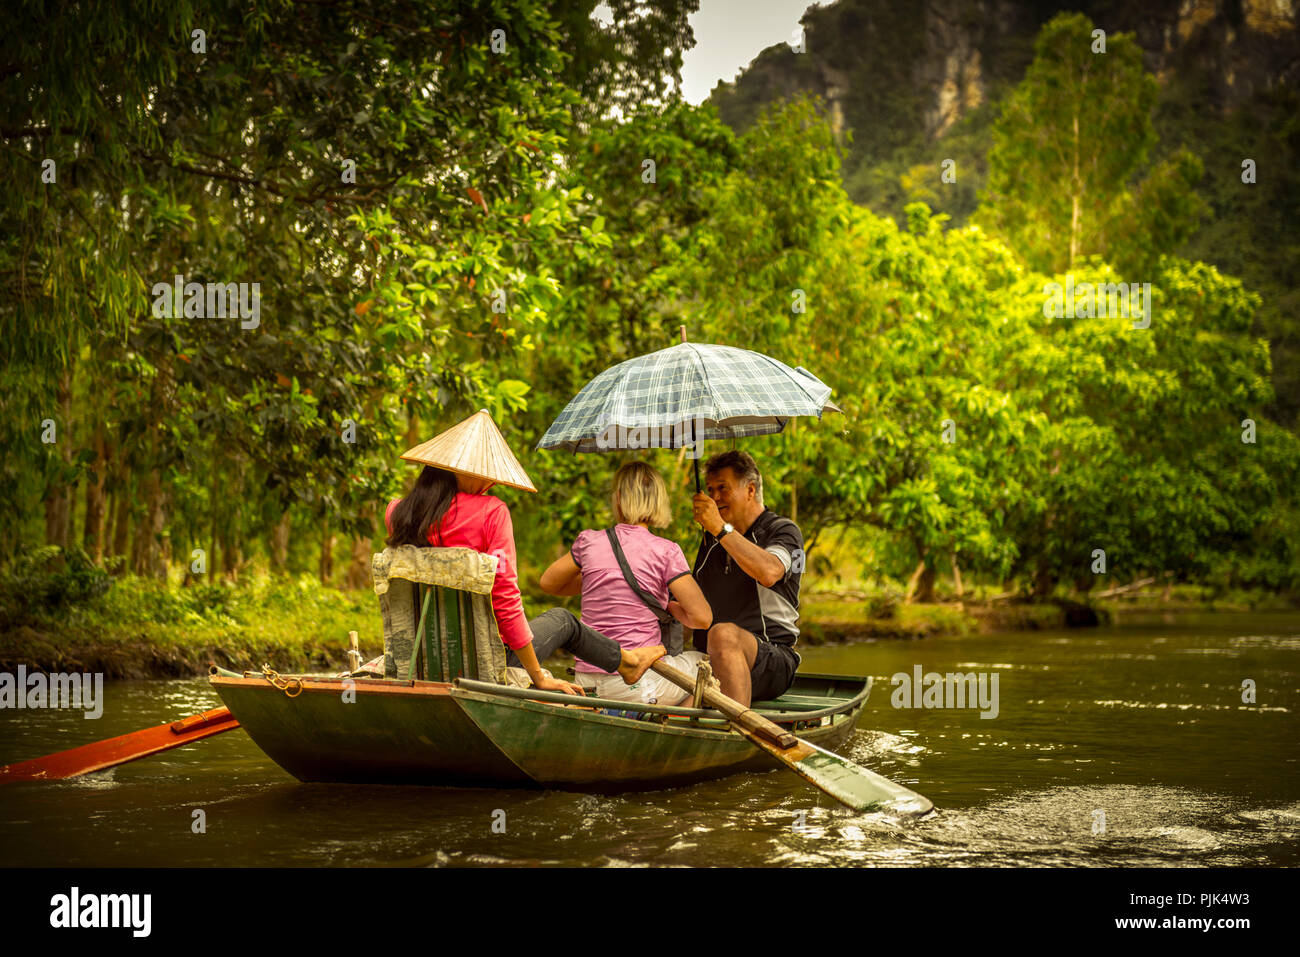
503 242
1066 149
30 582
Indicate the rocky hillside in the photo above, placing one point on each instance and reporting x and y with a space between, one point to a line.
894 71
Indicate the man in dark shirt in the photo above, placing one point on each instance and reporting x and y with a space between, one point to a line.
749 566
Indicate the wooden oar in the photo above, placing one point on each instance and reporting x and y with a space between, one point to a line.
123 748
846 781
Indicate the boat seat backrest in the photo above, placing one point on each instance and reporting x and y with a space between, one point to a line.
437 610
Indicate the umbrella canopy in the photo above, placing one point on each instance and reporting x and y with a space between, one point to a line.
475 447
684 394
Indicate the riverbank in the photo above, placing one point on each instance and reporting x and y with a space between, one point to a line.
858 616
139 629
828 619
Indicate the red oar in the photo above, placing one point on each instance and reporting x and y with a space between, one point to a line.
123 748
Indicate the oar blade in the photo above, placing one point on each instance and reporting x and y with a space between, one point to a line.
126 747
847 781
850 783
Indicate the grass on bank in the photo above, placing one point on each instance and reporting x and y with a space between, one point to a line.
141 627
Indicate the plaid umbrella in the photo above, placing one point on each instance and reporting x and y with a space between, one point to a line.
686 394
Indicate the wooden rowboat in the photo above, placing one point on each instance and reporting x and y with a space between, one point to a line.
431 720
474 734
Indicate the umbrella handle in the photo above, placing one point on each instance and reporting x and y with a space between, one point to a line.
696 462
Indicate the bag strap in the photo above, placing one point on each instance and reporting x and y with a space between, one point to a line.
660 612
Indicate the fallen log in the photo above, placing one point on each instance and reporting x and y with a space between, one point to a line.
1134 586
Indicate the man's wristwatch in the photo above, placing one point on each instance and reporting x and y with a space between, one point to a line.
727 529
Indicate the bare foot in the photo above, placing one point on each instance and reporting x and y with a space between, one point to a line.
638 661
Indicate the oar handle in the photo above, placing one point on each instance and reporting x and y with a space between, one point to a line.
354 652
195 720
734 710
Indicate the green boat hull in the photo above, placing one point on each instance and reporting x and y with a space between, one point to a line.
404 732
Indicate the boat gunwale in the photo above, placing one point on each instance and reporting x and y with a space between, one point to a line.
552 697
595 717
319 684
715 732
323 683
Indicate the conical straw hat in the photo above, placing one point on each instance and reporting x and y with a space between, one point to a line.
475 447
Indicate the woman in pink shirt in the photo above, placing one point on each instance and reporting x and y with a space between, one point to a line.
451 509
609 605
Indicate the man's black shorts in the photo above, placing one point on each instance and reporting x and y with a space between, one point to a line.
773 670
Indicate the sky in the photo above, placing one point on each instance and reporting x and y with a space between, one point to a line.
730 33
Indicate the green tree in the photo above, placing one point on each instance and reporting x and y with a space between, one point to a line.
901 324
383 170
1144 452
1069 146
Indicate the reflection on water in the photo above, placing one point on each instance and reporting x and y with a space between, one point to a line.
1127 746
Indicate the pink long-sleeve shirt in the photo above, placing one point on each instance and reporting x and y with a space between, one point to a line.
482 522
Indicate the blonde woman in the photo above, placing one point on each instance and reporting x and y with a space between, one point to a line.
610 605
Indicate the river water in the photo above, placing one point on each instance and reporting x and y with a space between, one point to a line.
1127 745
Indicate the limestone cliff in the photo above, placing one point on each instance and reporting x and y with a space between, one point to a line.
894 71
